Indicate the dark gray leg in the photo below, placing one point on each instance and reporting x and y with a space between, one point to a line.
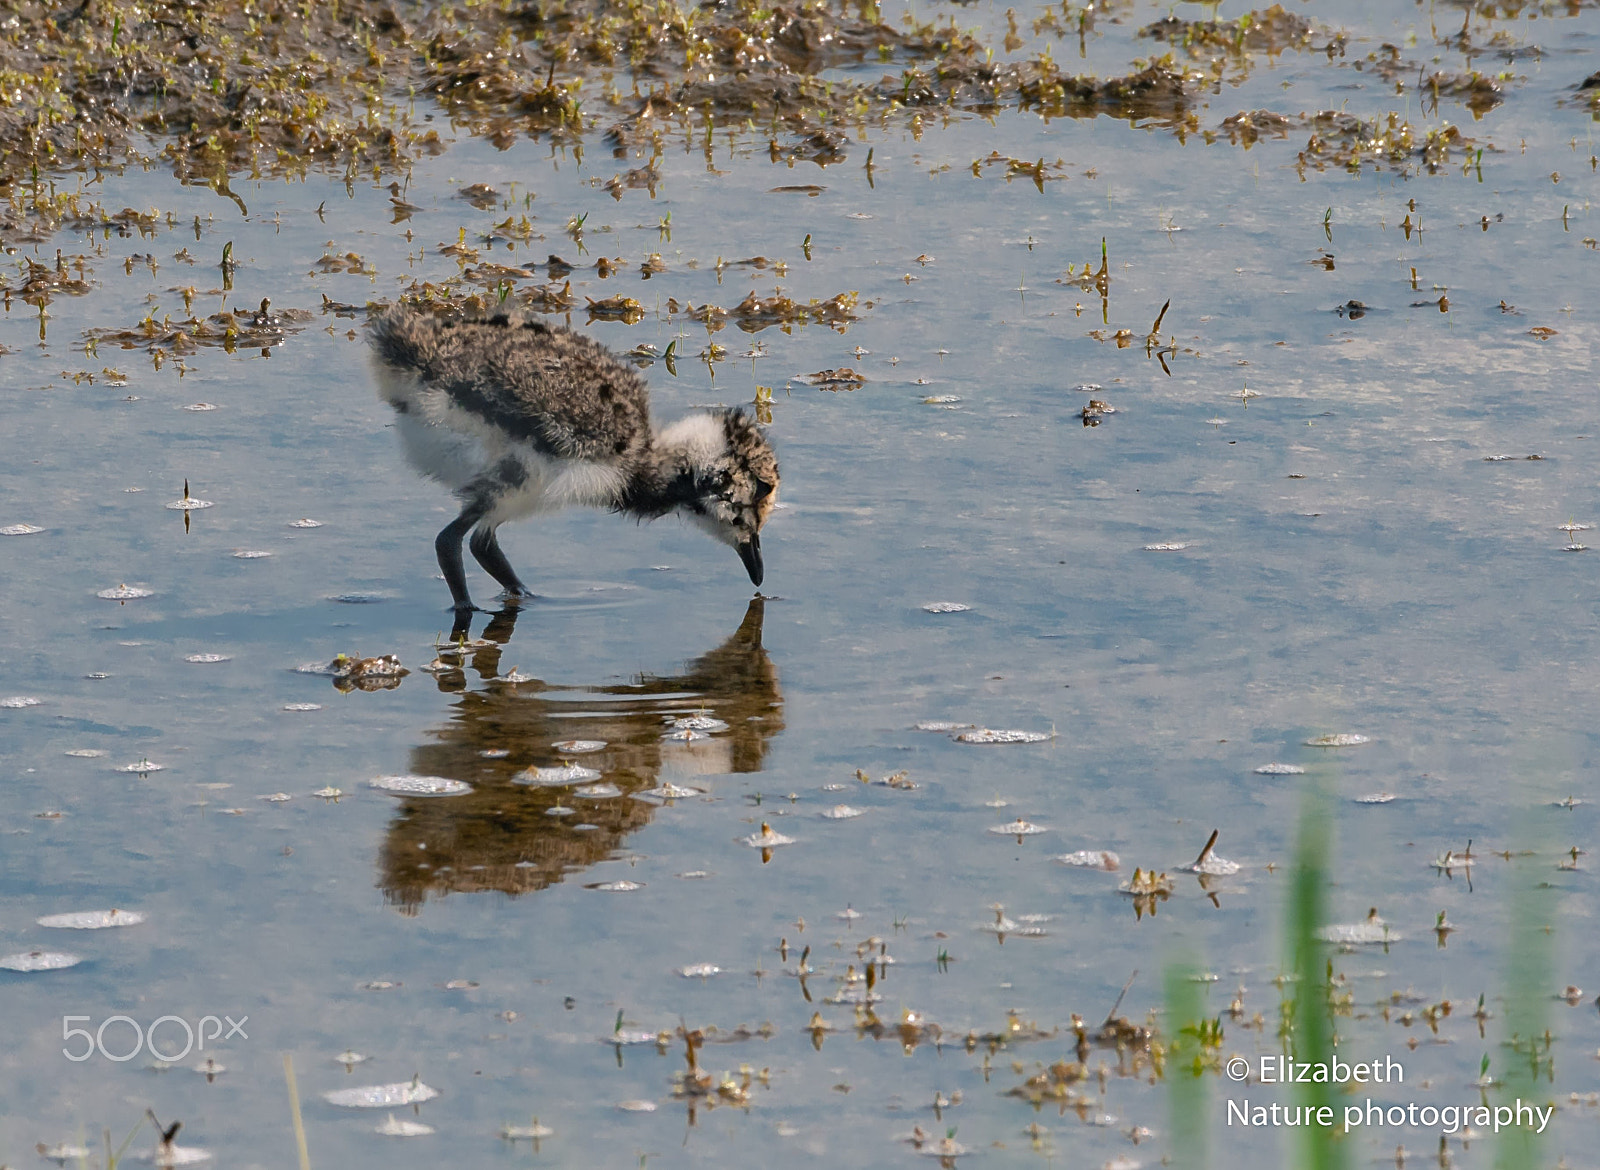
447 545
486 548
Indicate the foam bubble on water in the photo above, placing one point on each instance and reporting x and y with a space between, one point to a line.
61 1153
946 607
276 798
1375 798
616 887
29 961
637 1106
208 657
20 530
250 554
18 702
942 725
91 919
1213 866
1018 828
556 777
188 504
766 839
698 723
1091 859
171 1155
305 522
125 593
143 768
411 785
412 1092
684 735
842 812
946 1149
302 706
1170 546
1338 739
987 735
201 407
1373 931
522 1133
670 791
1280 770
395 1127
86 753
494 753
602 791
699 970
579 747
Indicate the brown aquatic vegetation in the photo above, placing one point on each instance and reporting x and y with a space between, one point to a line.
228 330
1346 140
41 282
1351 142
1270 30
1479 92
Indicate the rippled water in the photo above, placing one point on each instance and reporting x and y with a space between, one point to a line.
1296 524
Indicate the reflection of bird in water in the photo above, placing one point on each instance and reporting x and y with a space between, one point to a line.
519 418
500 836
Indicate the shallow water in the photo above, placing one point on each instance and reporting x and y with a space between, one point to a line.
1353 560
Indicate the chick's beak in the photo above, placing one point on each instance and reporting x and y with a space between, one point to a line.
750 554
